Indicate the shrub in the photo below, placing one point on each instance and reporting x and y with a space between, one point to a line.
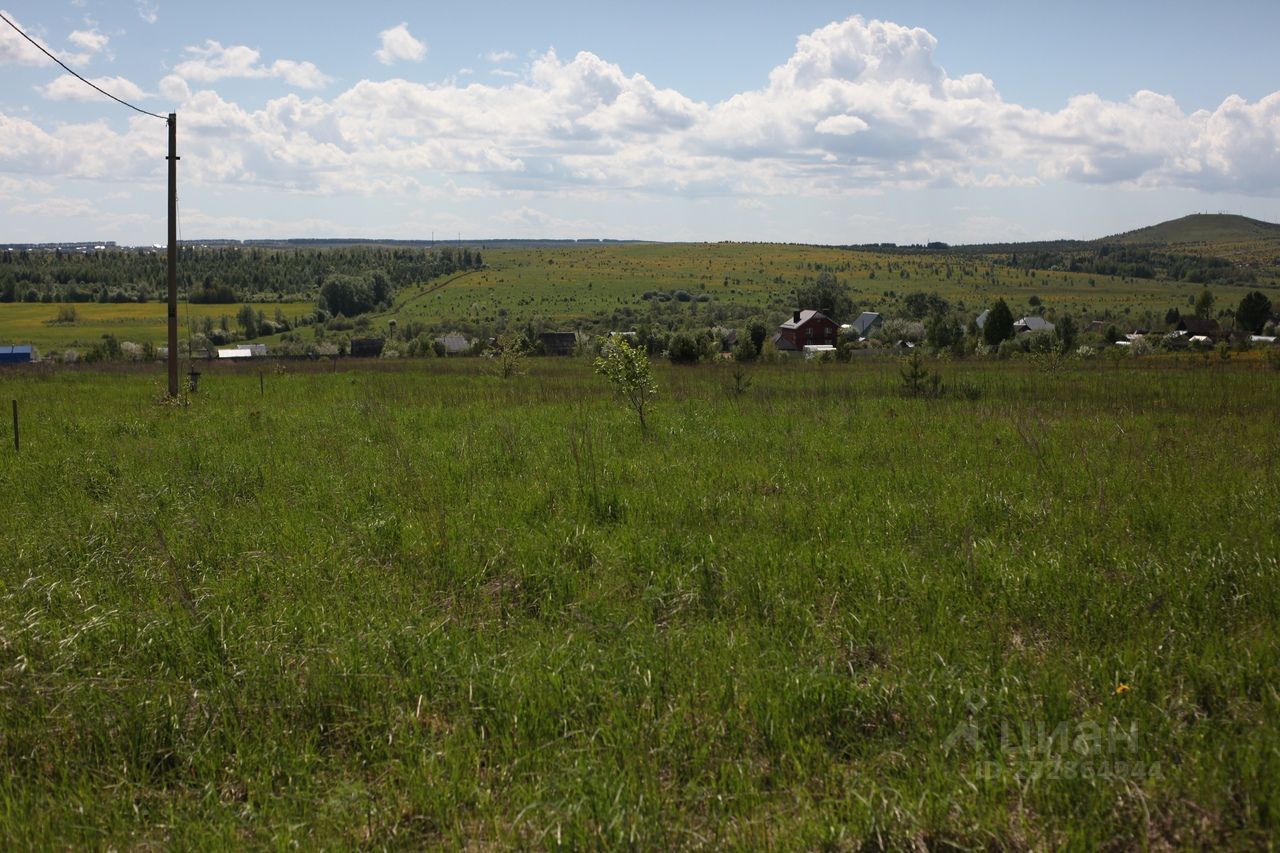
917 381
1039 342
107 349
684 349
744 351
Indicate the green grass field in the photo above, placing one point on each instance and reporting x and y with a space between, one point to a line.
603 287
420 605
37 323
562 286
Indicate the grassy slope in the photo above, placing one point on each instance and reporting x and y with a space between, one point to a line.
421 606
561 286
1201 228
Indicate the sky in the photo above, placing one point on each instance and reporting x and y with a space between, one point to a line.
702 120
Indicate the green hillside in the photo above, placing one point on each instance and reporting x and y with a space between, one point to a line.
1200 228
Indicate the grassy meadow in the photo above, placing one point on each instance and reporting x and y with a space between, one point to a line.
564 285
414 604
146 322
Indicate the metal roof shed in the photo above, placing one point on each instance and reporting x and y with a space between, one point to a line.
16 354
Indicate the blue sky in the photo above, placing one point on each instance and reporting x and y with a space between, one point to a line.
811 122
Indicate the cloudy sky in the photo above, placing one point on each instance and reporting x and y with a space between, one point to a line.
748 120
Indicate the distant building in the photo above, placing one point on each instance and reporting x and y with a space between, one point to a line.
366 347
454 343
806 328
17 353
1032 324
816 350
1199 327
243 351
559 343
867 322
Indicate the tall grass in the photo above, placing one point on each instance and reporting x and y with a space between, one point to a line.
424 605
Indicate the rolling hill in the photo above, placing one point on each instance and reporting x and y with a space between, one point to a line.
1199 228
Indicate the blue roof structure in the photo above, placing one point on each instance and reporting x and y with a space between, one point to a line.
16 353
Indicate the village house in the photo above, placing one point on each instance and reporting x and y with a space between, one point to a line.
806 328
1032 323
1199 327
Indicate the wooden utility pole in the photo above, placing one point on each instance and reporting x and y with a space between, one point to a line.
173 254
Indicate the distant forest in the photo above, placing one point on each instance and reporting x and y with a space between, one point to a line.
1134 263
1092 258
225 275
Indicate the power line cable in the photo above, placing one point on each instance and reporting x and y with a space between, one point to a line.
41 48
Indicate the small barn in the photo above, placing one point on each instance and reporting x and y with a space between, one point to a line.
559 343
806 328
366 347
17 353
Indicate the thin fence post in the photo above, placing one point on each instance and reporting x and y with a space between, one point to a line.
17 445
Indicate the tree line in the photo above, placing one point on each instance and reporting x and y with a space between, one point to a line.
1131 262
222 275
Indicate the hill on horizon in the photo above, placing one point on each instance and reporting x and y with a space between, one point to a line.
1199 228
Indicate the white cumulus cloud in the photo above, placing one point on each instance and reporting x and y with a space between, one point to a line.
68 88
398 44
90 41
859 106
15 50
212 61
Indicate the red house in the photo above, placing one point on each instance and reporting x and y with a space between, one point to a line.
806 328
